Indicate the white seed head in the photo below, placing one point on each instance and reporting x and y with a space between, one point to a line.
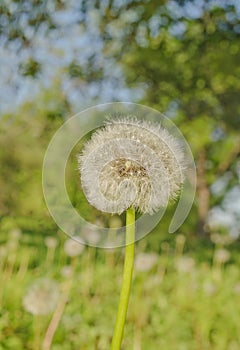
145 261
221 239
51 242
90 234
67 271
131 163
185 264
222 255
41 297
73 248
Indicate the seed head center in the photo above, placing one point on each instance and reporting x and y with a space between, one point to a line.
126 168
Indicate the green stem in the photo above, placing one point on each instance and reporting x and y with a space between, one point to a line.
126 282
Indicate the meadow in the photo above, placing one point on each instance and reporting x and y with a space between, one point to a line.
56 294
58 58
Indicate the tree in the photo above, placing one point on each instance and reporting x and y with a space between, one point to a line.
23 141
183 56
187 69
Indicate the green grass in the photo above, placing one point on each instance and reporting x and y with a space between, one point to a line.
181 303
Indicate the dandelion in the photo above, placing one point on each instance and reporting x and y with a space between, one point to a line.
145 261
67 271
90 235
130 165
185 264
51 242
129 162
41 297
220 239
93 237
222 256
73 248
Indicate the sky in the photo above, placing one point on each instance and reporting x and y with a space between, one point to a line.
56 49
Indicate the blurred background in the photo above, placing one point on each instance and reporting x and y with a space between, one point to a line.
59 57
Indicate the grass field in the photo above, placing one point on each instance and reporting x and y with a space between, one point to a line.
55 295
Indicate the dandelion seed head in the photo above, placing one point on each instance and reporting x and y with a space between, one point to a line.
41 297
66 271
73 248
145 261
185 264
91 235
220 239
222 255
131 162
180 239
51 242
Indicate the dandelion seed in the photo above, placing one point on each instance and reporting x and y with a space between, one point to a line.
145 261
116 171
41 297
73 248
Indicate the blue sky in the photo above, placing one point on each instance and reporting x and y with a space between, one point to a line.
72 42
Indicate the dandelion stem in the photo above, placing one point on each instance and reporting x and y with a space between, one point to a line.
126 282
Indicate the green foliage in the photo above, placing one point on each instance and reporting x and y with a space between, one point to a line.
30 68
181 296
193 77
23 142
195 69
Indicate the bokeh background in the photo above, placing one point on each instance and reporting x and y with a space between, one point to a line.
58 58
